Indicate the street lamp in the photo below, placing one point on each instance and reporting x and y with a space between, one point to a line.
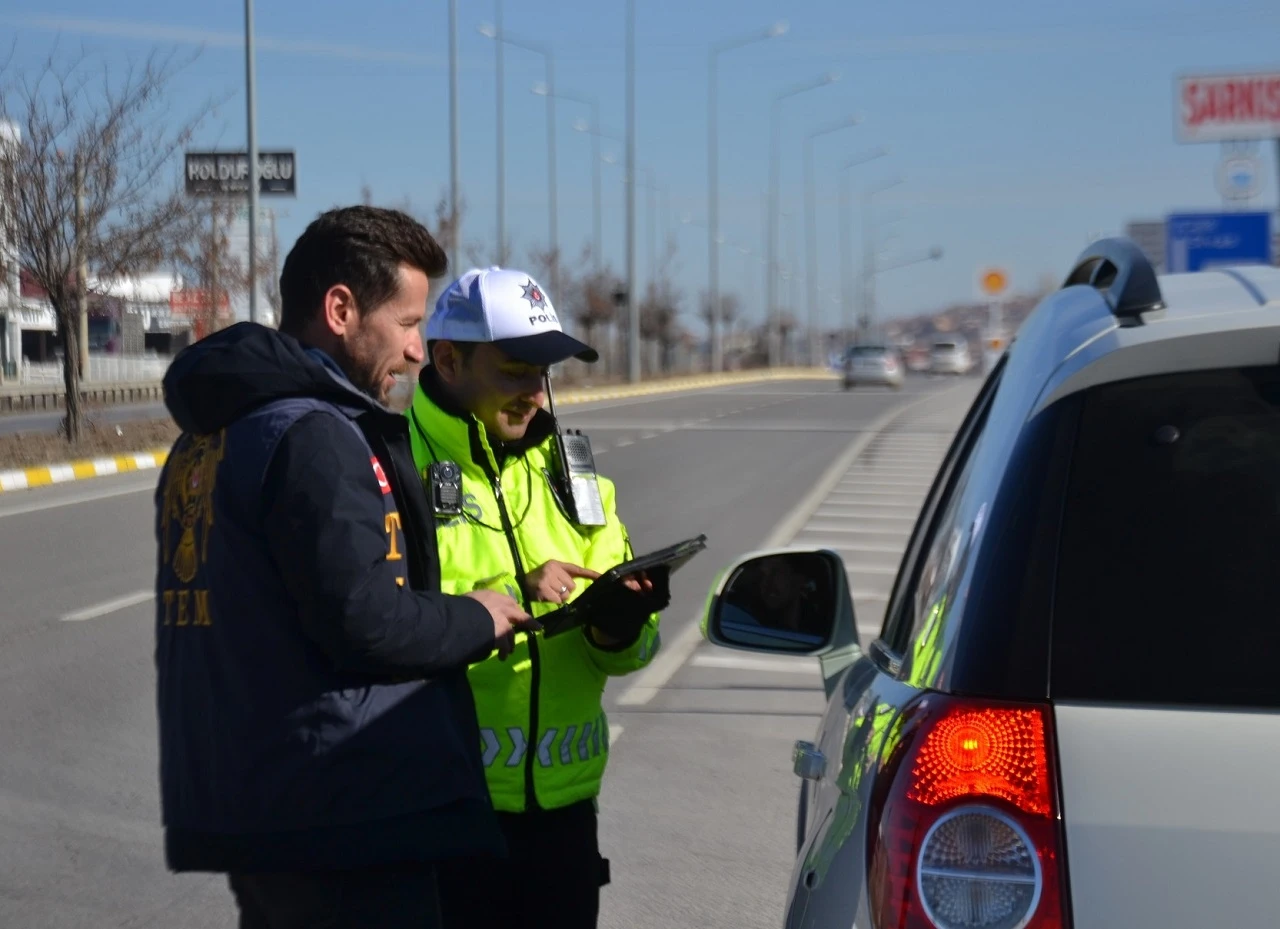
543 90
846 264
492 32
250 94
713 176
775 116
868 249
633 308
811 223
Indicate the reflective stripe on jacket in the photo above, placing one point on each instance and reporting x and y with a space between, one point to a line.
512 523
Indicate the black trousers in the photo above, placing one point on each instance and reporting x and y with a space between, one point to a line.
391 898
551 880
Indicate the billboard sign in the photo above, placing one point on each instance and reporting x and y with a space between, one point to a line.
1203 241
1227 107
193 300
217 174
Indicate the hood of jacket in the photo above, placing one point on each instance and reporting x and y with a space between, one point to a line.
215 381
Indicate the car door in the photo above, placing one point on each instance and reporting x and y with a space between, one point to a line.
857 728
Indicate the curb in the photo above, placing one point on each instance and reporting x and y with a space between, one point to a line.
574 395
43 475
25 478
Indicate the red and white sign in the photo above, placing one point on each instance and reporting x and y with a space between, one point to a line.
193 300
1228 107
381 476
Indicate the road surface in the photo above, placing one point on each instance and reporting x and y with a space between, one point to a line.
699 798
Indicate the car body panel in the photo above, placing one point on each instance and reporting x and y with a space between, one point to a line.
1154 835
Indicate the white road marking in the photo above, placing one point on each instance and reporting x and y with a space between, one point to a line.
109 606
839 545
673 655
79 498
615 733
744 663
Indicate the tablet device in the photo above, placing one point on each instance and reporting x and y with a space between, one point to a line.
574 614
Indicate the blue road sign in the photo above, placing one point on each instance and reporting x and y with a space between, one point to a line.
1201 241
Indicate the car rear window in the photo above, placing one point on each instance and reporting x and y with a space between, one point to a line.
1168 578
863 351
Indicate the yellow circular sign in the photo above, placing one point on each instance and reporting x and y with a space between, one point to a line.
994 281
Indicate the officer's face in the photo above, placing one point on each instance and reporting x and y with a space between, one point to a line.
380 344
504 394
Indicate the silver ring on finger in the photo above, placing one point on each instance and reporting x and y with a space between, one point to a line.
563 590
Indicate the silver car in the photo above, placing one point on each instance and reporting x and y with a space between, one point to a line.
950 357
1071 714
872 364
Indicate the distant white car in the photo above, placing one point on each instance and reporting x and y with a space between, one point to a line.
872 364
951 358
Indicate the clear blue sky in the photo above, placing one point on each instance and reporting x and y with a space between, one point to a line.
1019 129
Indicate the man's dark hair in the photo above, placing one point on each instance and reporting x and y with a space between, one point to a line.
465 349
362 247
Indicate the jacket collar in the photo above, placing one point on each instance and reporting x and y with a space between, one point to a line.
454 434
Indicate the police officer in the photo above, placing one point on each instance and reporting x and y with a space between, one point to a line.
544 735
318 738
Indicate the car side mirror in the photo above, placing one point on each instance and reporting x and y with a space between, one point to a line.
787 602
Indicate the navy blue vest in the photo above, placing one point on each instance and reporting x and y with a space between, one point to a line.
270 757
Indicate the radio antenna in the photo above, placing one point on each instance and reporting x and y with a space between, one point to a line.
551 401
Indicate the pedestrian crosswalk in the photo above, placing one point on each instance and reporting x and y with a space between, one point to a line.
868 516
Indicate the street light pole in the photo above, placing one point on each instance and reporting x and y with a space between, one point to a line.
713 183
543 90
633 309
596 159
868 253
499 49
251 108
493 32
551 177
811 229
455 216
846 255
772 234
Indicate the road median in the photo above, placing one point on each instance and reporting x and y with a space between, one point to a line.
33 474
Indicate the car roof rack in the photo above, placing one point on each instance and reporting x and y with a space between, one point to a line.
1119 270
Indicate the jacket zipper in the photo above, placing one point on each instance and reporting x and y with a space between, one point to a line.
535 665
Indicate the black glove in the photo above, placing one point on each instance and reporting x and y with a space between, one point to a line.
620 613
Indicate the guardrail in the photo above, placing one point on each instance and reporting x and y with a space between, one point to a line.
27 398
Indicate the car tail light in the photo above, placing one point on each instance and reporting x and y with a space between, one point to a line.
966 834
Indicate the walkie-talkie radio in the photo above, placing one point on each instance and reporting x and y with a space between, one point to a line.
579 488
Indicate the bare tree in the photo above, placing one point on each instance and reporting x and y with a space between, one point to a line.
91 184
659 319
217 275
597 306
270 272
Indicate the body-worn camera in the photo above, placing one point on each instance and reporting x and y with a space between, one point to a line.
446 489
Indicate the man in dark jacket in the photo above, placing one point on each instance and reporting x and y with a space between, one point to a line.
318 739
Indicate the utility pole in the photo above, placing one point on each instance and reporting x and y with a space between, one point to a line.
455 217
251 106
500 81
633 306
